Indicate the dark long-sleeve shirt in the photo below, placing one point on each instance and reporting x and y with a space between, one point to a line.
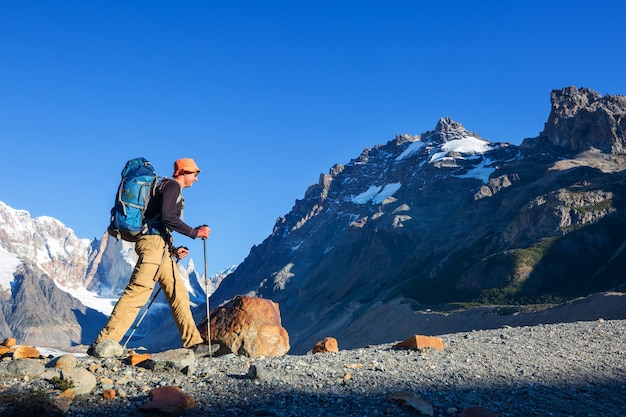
165 210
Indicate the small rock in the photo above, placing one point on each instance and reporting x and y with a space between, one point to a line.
95 367
21 368
354 365
124 380
108 349
328 344
9 342
83 380
418 342
108 394
64 362
63 401
106 383
137 358
413 400
258 372
171 360
168 400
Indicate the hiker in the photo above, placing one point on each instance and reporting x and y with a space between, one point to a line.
157 262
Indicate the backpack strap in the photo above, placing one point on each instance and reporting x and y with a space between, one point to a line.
158 189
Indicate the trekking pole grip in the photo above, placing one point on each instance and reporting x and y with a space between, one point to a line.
203 225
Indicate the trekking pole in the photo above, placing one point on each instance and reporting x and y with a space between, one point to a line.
141 318
206 292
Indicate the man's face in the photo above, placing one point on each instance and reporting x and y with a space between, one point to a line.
190 178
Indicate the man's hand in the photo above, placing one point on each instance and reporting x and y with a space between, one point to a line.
181 252
204 231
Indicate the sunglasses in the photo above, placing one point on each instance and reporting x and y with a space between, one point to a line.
194 173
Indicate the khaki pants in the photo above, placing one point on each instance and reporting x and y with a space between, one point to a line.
155 264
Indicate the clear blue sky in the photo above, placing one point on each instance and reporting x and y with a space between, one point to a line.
266 95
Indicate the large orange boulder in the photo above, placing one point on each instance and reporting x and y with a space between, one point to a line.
248 326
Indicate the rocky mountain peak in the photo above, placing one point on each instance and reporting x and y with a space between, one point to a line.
581 119
404 138
447 130
45 240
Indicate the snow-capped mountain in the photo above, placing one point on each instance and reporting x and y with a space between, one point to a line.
446 218
43 266
58 289
46 242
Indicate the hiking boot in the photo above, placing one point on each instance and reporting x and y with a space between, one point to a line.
204 349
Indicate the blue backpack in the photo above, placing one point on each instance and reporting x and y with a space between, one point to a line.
139 183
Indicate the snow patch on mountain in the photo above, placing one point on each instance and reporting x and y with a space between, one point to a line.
376 193
91 299
387 191
481 172
368 195
8 264
467 145
411 149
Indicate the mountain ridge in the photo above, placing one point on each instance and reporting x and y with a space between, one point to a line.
440 220
468 221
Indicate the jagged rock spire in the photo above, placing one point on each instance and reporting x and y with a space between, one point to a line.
581 119
447 130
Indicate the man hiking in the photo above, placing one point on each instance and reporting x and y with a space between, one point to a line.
157 262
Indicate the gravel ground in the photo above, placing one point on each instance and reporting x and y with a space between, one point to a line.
569 369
